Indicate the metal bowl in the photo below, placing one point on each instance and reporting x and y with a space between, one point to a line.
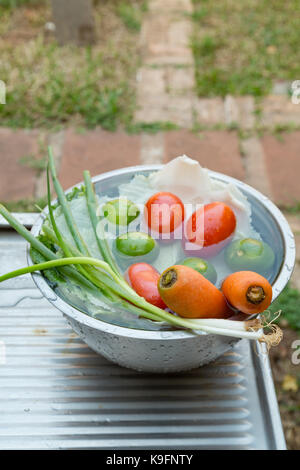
171 351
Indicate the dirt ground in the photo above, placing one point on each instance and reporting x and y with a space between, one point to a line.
287 387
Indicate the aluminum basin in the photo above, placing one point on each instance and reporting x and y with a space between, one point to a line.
171 351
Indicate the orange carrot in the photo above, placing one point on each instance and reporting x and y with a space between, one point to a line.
247 291
190 295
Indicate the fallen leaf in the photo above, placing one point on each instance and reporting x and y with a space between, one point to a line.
290 383
271 49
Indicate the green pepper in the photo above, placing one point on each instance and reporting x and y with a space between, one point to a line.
120 211
249 254
133 247
202 266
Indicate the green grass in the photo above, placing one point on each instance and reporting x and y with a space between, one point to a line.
17 3
131 14
295 209
289 303
151 128
25 205
241 48
48 85
199 13
37 164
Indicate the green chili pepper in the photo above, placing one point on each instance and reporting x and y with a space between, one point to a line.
120 211
202 266
249 254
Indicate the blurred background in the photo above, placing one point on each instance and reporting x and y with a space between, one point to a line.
113 83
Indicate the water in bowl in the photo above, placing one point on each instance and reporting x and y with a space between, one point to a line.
262 222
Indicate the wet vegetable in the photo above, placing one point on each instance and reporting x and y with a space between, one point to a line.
100 278
120 211
247 292
143 278
201 266
164 212
250 254
135 246
135 243
190 295
209 229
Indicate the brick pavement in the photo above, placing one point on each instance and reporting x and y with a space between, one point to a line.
270 164
165 92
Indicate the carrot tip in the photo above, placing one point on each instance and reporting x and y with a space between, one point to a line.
168 278
255 294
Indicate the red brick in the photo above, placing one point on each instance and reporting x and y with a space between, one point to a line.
97 151
218 151
283 166
16 181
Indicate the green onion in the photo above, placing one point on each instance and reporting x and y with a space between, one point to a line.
119 287
250 330
105 275
65 207
83 250
62 243
39 246
97 223
110 291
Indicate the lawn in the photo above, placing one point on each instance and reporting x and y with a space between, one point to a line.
289 304
49 86
241 48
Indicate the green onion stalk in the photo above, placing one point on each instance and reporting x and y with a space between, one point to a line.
250 329
97 224
110 288
65 207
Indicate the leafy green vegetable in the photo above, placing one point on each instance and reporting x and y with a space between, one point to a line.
289 302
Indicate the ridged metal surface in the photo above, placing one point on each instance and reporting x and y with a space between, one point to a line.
56 393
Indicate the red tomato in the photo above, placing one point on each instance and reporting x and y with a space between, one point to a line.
143 278
210 228
164 212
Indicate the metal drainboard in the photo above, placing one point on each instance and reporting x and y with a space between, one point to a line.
55 393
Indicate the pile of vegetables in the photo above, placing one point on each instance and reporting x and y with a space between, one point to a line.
184 295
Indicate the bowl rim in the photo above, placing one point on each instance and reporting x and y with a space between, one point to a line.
280 282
